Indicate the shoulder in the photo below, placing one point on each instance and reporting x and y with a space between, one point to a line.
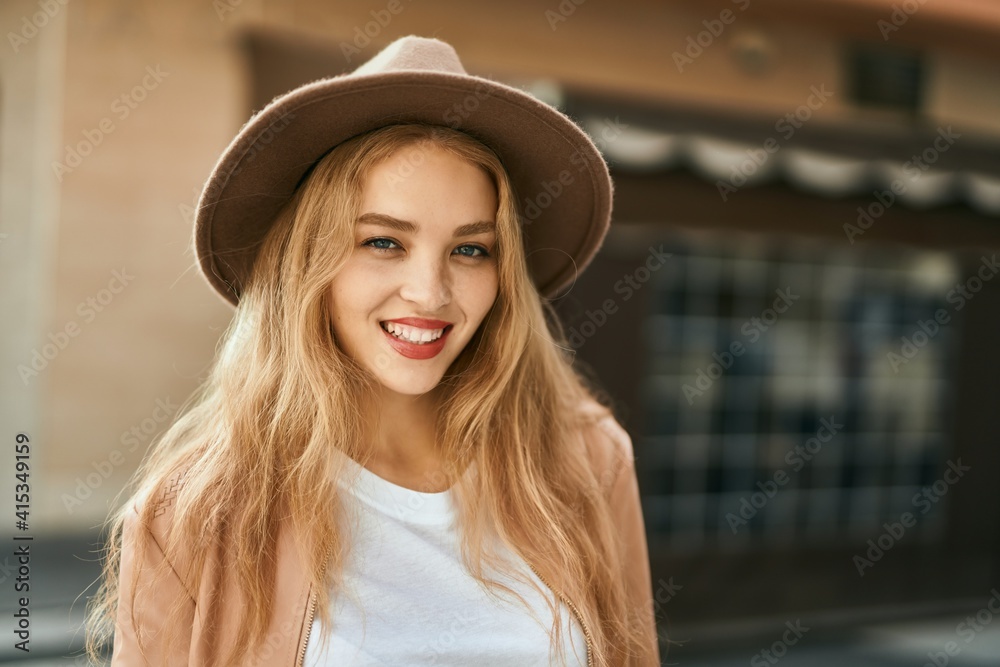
608 444
155 504
149 521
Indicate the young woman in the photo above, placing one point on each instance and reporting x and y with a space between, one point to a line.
393 461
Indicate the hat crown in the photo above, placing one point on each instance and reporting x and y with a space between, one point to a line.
411 80
414 53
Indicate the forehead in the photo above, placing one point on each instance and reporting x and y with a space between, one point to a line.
425 184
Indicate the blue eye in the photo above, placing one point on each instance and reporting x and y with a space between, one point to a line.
370 243
483 253
382 245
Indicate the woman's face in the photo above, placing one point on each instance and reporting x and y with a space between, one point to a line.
424 248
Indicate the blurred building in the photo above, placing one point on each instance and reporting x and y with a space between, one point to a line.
795 307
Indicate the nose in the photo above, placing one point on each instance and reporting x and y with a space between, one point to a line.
427 283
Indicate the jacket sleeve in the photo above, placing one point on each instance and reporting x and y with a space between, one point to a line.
160 588
627 511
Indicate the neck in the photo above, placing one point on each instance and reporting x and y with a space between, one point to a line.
403 430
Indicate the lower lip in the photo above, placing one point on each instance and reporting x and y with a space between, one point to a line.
414 351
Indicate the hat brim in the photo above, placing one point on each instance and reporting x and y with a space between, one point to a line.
561 182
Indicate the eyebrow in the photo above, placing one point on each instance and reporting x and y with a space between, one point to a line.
481 227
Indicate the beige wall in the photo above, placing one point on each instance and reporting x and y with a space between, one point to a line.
127 206
31 76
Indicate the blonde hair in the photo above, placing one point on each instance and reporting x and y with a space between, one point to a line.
254 443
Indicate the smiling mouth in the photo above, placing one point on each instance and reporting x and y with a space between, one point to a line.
414 335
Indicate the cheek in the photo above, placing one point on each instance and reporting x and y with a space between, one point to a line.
356 284
483 294
343 307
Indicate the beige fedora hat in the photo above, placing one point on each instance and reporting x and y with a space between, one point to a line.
560 179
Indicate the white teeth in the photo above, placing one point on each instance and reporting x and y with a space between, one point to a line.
412 334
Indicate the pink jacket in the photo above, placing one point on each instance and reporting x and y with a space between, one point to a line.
210 611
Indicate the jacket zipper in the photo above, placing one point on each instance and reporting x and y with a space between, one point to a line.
312 614
579 616
309 623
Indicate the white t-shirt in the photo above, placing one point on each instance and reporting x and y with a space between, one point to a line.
420 605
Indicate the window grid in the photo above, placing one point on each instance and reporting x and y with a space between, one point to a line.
721 425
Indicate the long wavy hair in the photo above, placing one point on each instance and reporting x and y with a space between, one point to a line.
254 443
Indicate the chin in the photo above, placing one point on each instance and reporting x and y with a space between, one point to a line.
411 390
413 386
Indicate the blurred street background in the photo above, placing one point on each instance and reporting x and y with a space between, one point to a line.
795 308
